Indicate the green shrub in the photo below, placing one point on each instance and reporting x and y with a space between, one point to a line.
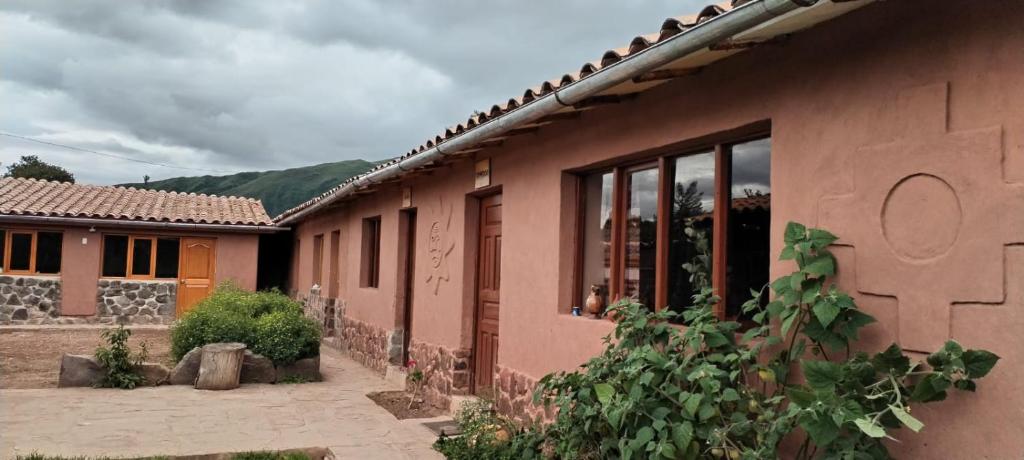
285 336
268 322
706 391
119 361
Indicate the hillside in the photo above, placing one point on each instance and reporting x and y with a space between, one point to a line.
279 190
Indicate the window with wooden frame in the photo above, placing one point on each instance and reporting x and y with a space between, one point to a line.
30 252
140 257
370 261
633 221
318 260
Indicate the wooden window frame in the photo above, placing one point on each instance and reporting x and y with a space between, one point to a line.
665 164
131 255
369 276
5 258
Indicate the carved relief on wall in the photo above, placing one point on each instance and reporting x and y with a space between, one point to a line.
928 218
440 243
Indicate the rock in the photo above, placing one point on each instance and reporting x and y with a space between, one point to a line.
79 371
257 369
20 313
155 374
307 369
185 372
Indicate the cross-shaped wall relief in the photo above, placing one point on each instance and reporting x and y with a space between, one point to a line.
928 217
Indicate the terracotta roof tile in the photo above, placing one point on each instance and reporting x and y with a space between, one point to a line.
31 197
670 27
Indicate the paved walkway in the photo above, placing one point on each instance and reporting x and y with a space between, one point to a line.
175 420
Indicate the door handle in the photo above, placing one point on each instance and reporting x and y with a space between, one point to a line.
182 281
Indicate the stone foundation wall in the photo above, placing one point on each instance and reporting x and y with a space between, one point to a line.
324 310
29 300
136 301
514 397
446 371
366 343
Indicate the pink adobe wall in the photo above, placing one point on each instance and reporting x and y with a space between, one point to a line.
835 95
236 259
80 263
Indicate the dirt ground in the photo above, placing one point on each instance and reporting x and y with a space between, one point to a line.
30 355
397 402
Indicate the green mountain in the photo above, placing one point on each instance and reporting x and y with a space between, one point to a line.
279 190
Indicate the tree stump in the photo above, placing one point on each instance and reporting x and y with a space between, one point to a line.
221 366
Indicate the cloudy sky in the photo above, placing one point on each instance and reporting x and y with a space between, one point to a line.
240 85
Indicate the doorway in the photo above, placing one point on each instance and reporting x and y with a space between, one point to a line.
195 278
407 224
485 346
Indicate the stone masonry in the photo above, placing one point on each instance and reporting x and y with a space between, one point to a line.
29 300
366 343
136 301
446 371
514 397
324 310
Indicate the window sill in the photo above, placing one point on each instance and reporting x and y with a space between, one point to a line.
32 275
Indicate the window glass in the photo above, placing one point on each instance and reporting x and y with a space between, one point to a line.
21 252
370 267
115 255
597 234
748 239
48 252
641 235
166 257
318 259
142 253
693 202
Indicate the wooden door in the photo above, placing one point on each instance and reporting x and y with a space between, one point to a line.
195 272
410 281
488 289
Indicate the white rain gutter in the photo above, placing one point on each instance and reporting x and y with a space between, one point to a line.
692 40
180 226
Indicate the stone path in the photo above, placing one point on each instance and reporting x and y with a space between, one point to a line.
176 420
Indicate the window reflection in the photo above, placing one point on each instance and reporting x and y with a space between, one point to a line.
641 235
748 239
597 233
693 203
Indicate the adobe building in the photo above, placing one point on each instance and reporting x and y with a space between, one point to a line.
898 125
77 254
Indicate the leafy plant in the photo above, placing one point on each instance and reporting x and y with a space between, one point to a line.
118 361
268 322
487 435
710 391
416 379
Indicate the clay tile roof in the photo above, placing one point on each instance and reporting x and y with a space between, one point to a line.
670 27
31 197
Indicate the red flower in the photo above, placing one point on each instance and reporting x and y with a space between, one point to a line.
411 363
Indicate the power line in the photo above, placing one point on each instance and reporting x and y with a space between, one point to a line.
111 154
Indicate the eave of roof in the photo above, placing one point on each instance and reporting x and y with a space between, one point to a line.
672 29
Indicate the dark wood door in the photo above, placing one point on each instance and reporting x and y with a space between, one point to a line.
488 289
196 271
410 281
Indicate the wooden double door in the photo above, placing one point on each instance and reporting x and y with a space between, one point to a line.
488 293
196 265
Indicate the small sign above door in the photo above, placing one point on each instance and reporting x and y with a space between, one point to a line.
407 197
483 173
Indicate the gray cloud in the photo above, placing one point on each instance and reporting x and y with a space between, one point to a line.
240 85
